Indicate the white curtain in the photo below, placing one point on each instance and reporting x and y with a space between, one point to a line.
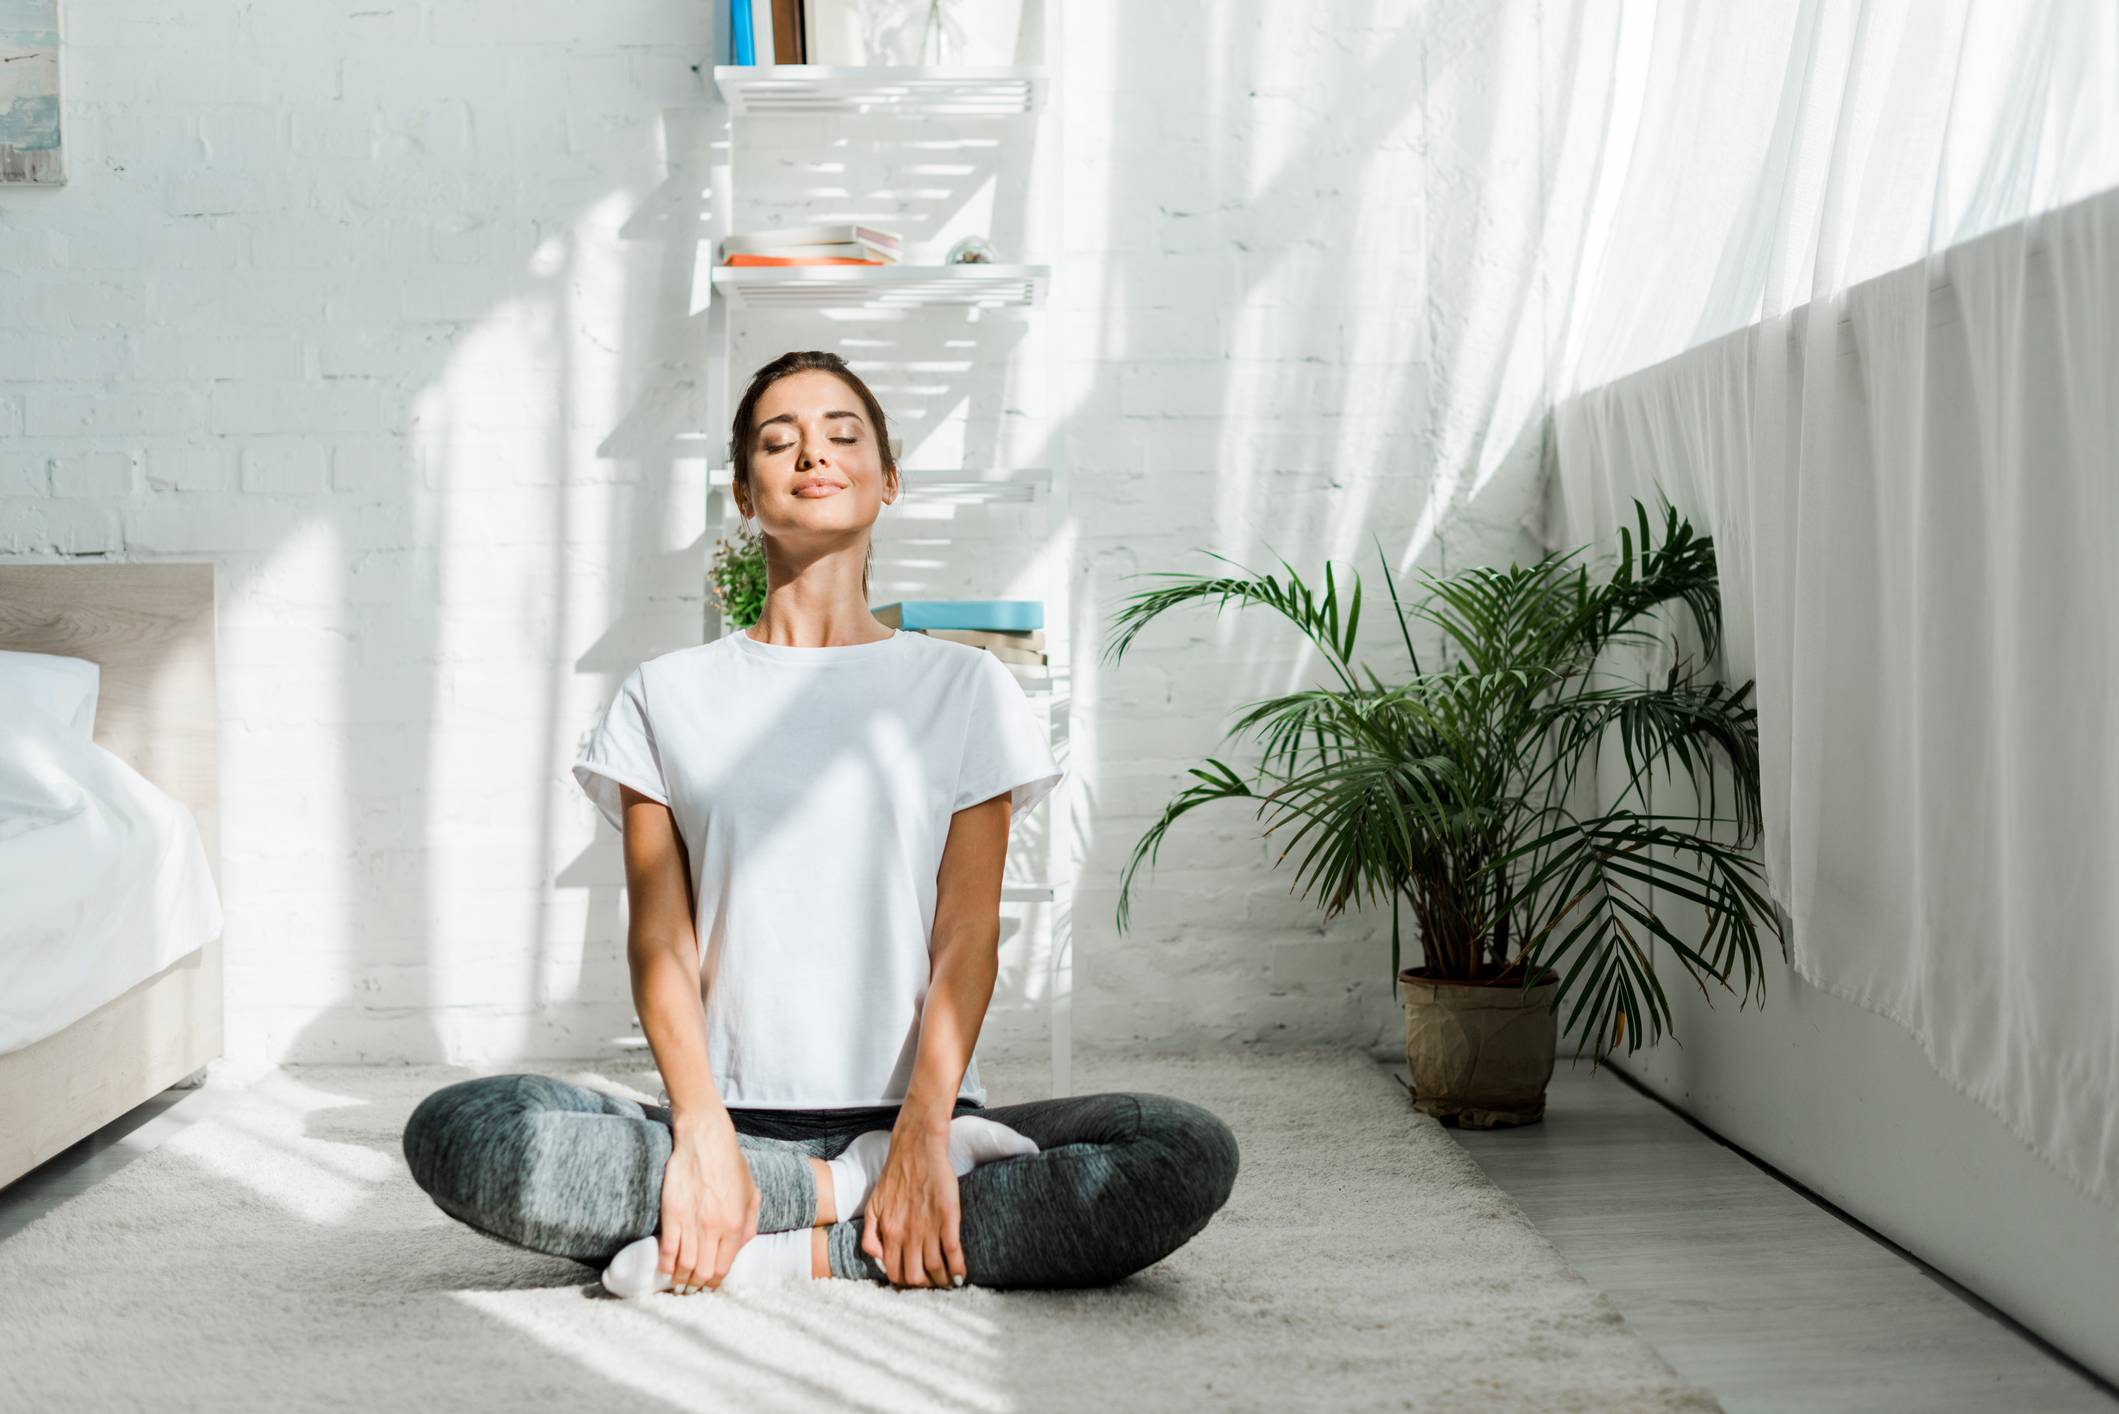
1842 281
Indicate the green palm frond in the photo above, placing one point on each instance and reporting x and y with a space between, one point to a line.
1318 619
1219 784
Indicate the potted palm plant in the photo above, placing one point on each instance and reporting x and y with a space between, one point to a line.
1455 793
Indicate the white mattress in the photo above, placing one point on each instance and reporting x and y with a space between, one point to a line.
103 880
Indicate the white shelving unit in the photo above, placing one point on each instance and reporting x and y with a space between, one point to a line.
744 94
921 91
882 286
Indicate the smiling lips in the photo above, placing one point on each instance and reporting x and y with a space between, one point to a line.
817 490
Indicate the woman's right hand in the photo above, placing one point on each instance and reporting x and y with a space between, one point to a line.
709 1206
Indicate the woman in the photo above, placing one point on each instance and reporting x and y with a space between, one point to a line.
815 816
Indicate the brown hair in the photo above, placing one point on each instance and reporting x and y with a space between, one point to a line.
744 429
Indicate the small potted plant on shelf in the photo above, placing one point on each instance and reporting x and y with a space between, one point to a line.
737 576
1452 792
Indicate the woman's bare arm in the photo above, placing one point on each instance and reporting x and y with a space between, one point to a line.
963 959
914 1218
709 1200
662 952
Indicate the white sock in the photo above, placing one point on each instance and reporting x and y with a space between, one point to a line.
768 1259
771 1258
634 1271
856 1170
973 1140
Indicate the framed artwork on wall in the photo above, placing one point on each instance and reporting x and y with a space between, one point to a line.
31 153
912 32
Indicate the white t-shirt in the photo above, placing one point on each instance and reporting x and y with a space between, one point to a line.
813 788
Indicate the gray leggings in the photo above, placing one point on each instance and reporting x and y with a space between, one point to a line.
1121 1180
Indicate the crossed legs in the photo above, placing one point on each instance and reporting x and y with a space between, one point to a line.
1120 1180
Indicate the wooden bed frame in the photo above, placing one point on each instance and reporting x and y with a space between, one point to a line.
150 627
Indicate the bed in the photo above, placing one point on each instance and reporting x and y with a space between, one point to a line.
110 950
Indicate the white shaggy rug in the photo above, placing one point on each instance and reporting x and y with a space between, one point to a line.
276 1255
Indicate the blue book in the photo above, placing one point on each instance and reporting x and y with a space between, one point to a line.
740 34
1001 615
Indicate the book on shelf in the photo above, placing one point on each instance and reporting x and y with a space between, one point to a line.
1011 629
844 244
1025 648
829 232
739 261
835 251
742 43
765 31
992 615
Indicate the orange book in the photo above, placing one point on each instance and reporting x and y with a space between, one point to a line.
742 259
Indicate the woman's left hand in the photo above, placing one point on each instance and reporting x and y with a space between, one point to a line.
911 1226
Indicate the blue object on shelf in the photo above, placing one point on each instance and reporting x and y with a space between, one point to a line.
739 32
990 614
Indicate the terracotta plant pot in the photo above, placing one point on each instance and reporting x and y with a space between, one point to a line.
1480 1053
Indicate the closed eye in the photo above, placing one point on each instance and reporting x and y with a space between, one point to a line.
849 441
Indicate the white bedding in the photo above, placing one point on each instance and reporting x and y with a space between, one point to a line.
103 879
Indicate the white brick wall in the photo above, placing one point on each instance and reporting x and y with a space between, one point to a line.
384 309
1300 316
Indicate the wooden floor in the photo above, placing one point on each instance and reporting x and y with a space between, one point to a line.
1746 1284
1743 1283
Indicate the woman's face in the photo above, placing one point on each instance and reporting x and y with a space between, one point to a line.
816 465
